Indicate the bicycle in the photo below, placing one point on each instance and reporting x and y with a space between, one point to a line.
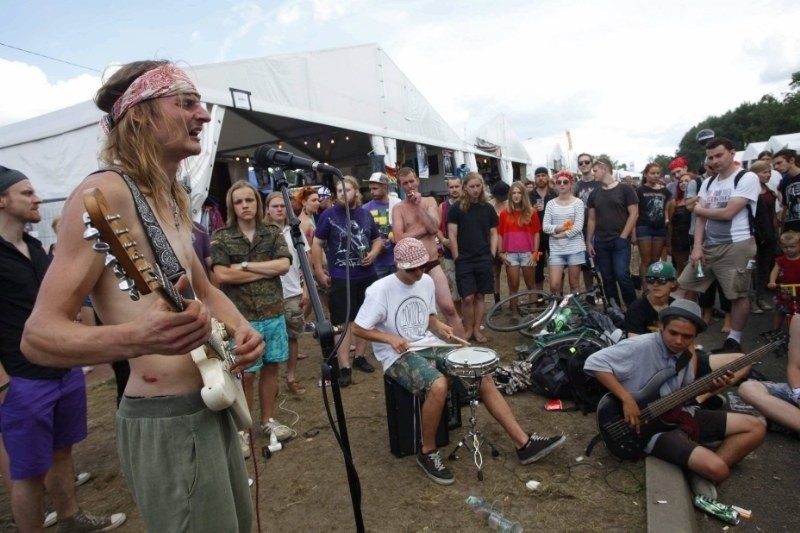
536 309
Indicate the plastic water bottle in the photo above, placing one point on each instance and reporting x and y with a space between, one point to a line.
562 319
482 507
498 522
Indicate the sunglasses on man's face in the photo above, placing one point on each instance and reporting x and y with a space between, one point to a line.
584 162
415 269
661 280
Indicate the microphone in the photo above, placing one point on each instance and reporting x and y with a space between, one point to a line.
265 156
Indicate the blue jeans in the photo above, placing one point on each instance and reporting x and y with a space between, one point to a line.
614 263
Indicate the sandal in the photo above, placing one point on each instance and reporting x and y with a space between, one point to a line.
295 388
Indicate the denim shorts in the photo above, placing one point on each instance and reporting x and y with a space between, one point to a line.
779 390
578 258
648 232
519 258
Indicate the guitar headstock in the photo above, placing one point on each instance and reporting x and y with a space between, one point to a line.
112 238
776 337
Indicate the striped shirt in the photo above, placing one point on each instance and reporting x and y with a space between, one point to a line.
554 216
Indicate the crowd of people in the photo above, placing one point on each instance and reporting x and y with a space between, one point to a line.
401 261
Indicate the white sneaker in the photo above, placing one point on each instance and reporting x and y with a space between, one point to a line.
50 519
244 442
82 478
280 431
703 487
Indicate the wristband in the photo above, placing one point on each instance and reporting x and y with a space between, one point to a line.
796 395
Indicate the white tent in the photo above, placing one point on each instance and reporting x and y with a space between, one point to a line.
335 105
779 142
497 139
752 150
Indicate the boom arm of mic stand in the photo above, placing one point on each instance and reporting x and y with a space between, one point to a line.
325 336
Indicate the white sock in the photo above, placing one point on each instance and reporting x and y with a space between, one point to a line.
735 335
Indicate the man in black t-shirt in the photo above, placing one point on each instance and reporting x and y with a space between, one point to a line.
584 187
612 231
785 162
472 226
540 196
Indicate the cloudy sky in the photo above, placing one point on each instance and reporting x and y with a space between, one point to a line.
625 77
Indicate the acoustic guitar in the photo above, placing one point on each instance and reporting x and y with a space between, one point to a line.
221 389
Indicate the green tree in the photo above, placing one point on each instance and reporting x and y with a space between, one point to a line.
749 122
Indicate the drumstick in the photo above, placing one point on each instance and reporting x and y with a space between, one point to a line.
462 341
434 345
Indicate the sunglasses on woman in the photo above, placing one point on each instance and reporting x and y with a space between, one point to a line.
562 182
661 280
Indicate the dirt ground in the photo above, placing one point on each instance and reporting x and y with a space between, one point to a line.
304 487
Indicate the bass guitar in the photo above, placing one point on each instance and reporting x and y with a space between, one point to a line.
221 389
621 438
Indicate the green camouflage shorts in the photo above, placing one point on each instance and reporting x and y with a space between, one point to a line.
416 371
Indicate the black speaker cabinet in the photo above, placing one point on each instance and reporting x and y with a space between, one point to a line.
403 416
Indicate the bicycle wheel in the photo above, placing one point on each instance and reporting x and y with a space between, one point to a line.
571 340
535 308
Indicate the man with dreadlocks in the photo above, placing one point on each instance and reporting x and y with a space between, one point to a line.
182 461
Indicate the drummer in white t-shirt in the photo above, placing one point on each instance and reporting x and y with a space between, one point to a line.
397 316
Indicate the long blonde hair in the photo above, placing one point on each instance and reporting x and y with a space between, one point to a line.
131 145
464 203
354 182
242 184
525 210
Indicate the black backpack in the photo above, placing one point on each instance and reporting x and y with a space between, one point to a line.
549 373
557 372
586 389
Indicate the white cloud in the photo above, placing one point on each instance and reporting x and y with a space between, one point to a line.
26 92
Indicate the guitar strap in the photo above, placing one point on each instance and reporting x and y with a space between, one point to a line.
164 254
683 360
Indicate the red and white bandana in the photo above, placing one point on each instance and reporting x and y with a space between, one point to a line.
166 80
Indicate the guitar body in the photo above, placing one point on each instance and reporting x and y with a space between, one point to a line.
620 438
221 390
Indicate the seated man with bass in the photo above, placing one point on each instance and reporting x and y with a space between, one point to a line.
656 365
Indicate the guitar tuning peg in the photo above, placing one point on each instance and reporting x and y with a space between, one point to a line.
87 219
110 260
100 246
90 233
119 272
134 294
126 285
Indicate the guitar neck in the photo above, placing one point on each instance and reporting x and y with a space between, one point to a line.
702 385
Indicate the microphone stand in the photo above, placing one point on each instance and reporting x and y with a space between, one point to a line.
325 336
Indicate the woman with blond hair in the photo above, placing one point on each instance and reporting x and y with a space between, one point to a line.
563 221
518 240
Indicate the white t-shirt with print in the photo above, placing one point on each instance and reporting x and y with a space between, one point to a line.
393 307
717 196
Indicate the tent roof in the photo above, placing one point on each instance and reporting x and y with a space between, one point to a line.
779 142
498 132
752 150
356 88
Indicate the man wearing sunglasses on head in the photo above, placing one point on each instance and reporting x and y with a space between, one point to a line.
584 186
